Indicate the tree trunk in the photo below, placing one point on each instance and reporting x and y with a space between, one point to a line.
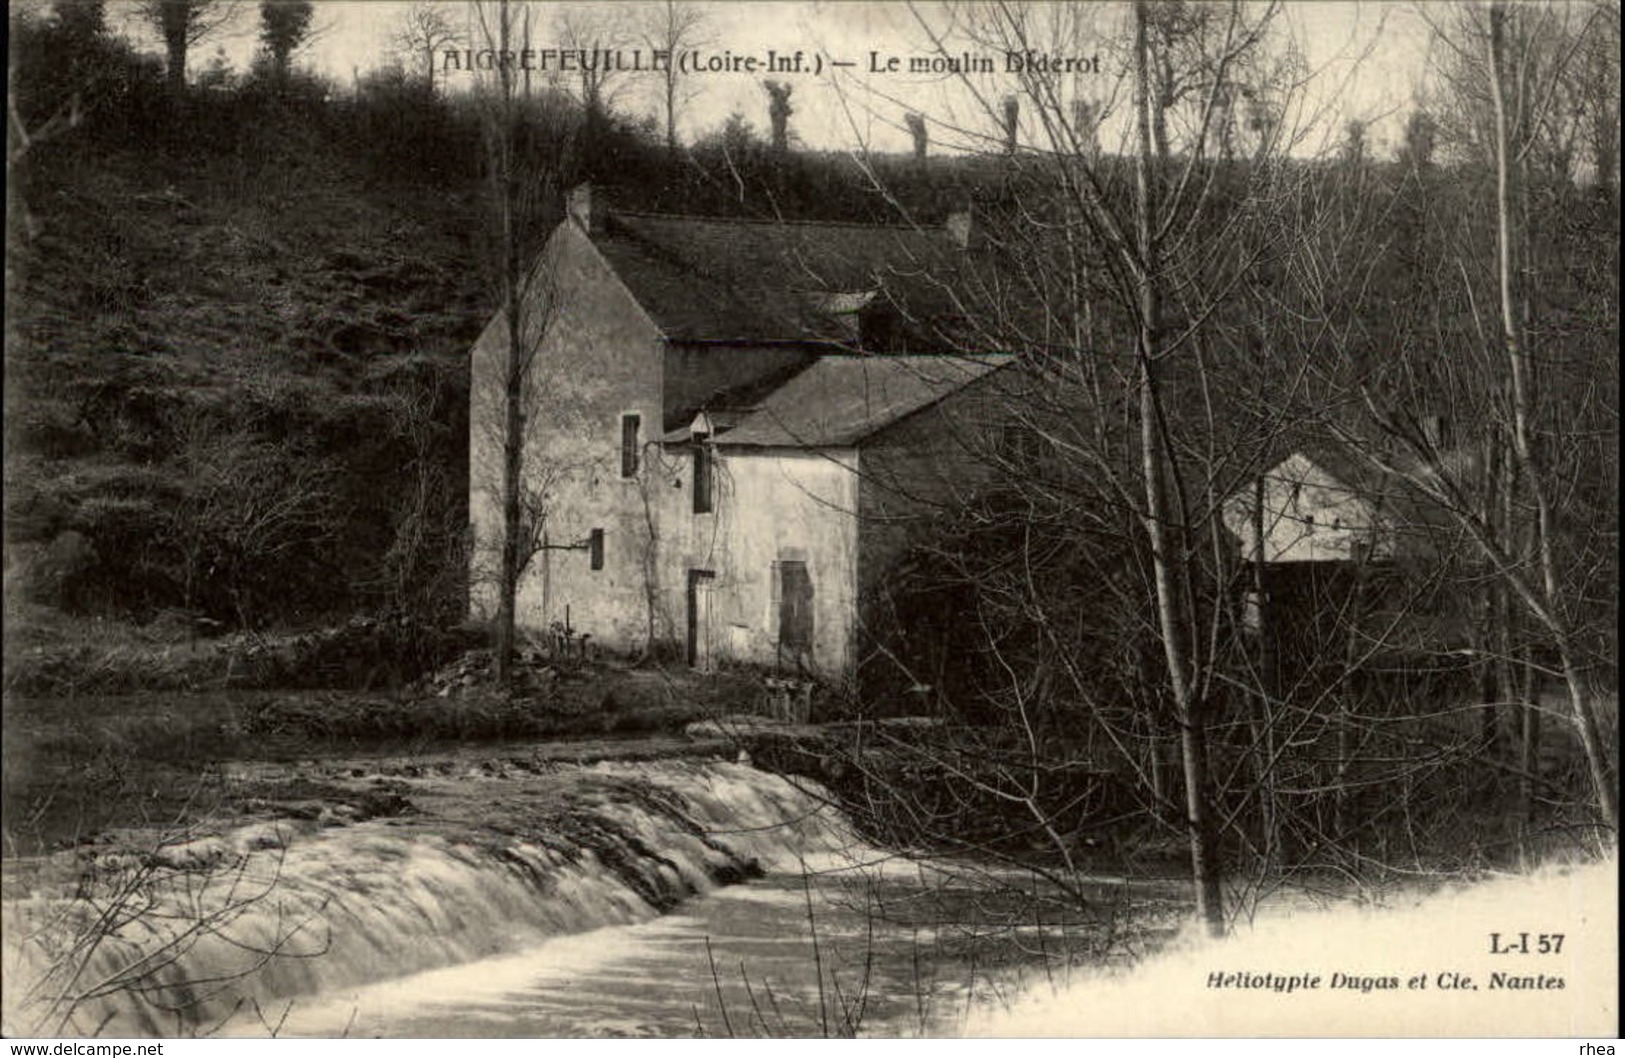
1269 683
1188 715
1528 742
514 369
1348 702
1523 404
175 71
671 105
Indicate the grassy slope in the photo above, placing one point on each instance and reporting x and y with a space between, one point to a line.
206 271
272 283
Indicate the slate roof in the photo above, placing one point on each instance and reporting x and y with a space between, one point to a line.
719 279
840 400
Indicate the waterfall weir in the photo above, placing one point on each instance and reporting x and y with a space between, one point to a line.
193 935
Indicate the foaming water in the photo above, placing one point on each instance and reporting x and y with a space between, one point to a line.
830 952
207 931
610 914
1448 964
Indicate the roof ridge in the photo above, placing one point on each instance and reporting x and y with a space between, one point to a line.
773 423
922 356
863 354
778 222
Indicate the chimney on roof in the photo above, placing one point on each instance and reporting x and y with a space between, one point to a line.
585 208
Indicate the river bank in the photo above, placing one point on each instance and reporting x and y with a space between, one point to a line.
323 863
76 767
465 857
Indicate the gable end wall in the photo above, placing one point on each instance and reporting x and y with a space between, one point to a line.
600 356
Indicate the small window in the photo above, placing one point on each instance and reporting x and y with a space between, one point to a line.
629 444
702 479
595 548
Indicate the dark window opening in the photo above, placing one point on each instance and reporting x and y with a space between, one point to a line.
595 548
702 479
629 445
795 607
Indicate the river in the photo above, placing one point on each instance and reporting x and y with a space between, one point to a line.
670 898
882 948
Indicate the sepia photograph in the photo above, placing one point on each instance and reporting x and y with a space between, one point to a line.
678 519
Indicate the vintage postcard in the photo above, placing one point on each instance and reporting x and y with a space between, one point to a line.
682 519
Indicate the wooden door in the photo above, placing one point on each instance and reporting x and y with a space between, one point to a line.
795 611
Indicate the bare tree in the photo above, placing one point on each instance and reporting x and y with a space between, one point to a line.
1202 242
22 139
125 943
181 24
673 27
1140 251
594 30
427 559
1086 123
1596 94
1147 269
424 29
1539 584
1509 109
1431 297
527 143
249 506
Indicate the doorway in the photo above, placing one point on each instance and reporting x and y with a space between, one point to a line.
795 613
699 618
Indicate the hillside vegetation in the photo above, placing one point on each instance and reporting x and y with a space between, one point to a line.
217 353
236 376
